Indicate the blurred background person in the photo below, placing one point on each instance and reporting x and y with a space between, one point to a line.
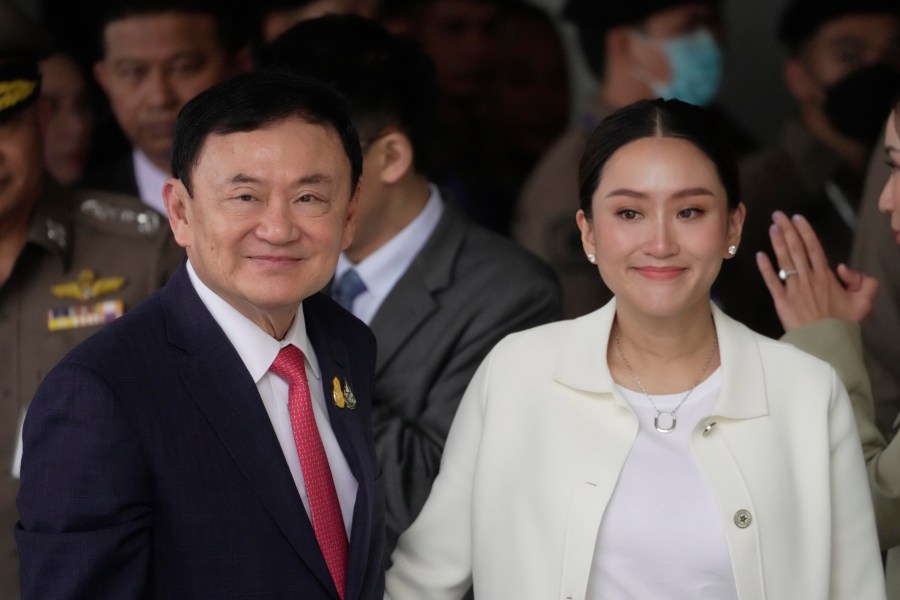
639 49
875 252
70 119
437 290
526 109
820 312
69 262
843 71
157 55
461 38
280 15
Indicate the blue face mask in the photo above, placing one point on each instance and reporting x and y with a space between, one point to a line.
695 62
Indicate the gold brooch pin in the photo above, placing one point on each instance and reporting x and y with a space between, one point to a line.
343 398
337 394
88 286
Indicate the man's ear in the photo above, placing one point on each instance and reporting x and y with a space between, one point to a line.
178 205
799 81
394 157
101 75
350 223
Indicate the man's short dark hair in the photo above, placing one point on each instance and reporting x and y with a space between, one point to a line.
387 81
231 34
252 101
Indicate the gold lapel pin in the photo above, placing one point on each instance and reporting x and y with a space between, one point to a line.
337 394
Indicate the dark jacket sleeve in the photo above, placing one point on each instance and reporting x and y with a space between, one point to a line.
84 513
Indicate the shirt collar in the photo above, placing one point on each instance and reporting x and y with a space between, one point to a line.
256 348
381 270
150 181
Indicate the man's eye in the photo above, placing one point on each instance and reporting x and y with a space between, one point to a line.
246 198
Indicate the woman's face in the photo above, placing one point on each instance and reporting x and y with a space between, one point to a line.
889 202
661 227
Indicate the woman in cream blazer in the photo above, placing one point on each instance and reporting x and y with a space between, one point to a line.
544 431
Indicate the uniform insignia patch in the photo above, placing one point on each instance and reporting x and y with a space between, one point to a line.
85 315
147 221
15 91
88 286
56 233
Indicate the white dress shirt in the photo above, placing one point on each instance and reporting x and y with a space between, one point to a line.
150 181
258 350
382 269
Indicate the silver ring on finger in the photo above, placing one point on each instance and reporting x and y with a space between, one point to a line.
783 274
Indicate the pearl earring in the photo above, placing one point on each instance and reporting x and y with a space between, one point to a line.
732 250
592 259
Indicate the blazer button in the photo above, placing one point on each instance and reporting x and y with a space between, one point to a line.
743 518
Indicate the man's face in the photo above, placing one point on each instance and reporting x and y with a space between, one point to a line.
840 47
459 37
21 164
154 64
271 211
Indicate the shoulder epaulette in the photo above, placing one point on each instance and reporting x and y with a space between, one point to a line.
146 220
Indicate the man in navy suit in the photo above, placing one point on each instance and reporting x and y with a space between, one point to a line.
216 441
437 290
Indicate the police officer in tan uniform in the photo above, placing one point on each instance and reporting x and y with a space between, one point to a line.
67 264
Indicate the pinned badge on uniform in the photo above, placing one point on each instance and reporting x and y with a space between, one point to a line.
88 286
343 398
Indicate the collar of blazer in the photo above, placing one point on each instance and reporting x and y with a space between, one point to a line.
743 394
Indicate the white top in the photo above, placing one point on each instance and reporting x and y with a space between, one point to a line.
150 181
258 350
382 269
662 534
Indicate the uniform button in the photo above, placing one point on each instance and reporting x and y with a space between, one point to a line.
742 518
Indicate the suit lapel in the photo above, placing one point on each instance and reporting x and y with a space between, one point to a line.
349 429
219 383
412 300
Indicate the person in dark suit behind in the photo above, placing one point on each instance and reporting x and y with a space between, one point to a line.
216 441
157 55
437 290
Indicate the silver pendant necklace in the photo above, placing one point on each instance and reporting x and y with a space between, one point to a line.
665 420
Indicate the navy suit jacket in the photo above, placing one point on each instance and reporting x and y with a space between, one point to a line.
151 469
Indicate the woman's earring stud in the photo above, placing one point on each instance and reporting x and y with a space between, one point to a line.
732 250
592 259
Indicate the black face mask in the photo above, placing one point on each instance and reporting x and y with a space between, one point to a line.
859 104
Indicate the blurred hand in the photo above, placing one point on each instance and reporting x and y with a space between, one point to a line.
813 291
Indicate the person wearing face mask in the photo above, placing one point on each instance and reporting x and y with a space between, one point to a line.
843 70
638 50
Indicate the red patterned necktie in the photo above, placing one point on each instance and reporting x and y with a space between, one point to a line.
324 508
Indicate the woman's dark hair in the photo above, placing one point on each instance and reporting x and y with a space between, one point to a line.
657 118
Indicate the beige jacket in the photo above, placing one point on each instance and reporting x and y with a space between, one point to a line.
838 342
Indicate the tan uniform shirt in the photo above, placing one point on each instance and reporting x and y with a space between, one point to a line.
107 235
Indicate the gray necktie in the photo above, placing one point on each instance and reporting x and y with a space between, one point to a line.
347 288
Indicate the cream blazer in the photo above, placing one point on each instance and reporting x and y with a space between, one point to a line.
540 438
